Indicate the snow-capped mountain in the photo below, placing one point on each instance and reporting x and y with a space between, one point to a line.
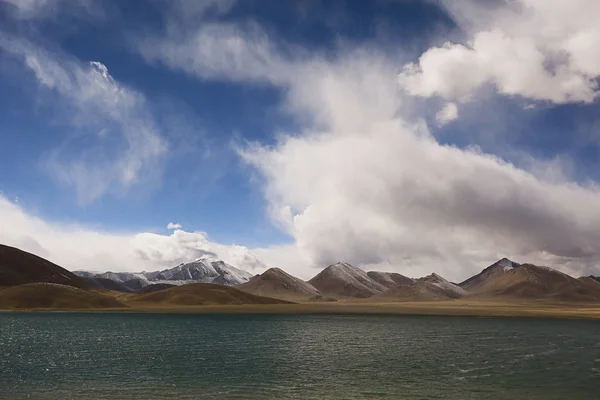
345 280
443 284
205 270
121 276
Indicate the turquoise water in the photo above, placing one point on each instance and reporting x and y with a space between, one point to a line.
144 356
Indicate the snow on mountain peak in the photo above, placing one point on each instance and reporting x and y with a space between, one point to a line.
206 269
442 283
507 264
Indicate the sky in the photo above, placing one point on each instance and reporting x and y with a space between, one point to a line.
408 136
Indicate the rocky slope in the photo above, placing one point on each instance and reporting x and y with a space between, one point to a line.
389 279
474 283
450 289
278 284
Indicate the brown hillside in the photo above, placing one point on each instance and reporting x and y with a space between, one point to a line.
279 284
203 294
581 291
450 289
18 267
155 287
417 291
345 280
535 282
588 280
389 279
53 296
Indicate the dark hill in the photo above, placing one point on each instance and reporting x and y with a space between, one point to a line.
18 267
107 284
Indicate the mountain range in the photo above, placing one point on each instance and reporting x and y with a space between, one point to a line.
203 270
210 281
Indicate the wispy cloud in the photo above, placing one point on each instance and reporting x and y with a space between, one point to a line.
114 142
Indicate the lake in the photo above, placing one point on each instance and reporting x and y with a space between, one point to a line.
176 356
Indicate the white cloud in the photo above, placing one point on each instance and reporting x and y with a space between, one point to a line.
76 247
220 51
537 49
117 143
447 114
172 226
362 183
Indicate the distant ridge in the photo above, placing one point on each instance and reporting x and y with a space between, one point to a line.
107 284
416 291
278 284
18 267
203 270
389 279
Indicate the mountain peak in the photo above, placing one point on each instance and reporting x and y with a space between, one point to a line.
433 277
506 263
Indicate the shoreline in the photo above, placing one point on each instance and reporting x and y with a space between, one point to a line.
446 308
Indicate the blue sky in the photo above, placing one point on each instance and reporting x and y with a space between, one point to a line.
227 117
203 184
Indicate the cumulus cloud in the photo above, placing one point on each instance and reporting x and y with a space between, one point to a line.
77 247
536 49
116 144
447 114
172 226
365 182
